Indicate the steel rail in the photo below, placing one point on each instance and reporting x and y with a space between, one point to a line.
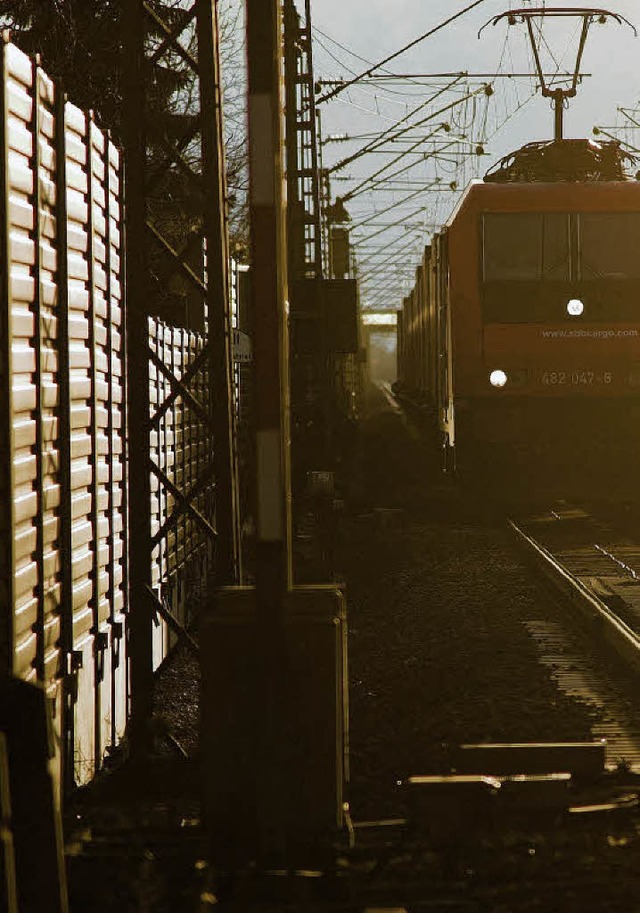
617 632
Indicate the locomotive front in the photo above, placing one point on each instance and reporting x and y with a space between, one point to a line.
544 311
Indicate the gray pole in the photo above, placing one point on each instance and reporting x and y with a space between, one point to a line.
558 108
268 294
273 546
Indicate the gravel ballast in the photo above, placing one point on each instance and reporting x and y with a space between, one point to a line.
439 605
438 597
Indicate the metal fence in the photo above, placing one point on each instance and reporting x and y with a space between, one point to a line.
183 502
66 608
63 535
182 479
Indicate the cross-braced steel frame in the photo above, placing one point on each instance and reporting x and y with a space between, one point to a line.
158 154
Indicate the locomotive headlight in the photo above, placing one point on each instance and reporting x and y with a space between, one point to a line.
497 378
575 307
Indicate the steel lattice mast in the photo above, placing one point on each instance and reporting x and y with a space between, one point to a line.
195 260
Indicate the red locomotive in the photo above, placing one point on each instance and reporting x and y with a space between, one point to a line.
522 333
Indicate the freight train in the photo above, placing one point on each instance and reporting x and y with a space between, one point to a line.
521 336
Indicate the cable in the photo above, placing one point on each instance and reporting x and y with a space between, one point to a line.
393 56
374 144
395 174
362 186
357 56
358 107
353 73
387 227
399 260
401 202
378 250
417 124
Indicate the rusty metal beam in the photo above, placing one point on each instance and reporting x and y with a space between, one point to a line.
161 609
140 614
184 500
216 233
175 256
189 259
179 386
171 42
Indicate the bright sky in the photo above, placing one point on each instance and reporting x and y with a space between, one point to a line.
513 114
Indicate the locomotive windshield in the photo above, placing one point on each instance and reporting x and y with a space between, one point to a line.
533 261
609 245
526 246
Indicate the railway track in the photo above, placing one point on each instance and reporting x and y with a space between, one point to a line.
592 651
552 835
589 637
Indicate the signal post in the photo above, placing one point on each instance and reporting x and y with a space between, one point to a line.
274 711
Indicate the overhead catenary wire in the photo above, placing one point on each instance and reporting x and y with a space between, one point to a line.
386 248
385 137
464 74
316 31
387 291
392 254
384 284
349 101
626 112
360 88
382 273
392 269
398 256
402 50
399 171
405 225
385 299
376 184
395 205
612 136
380 231
434 149
344 48
427 155
401 188
344 162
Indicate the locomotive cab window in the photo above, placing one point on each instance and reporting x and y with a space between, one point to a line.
609 245
535 263
525 246
511 246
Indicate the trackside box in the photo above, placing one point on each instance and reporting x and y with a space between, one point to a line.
274 724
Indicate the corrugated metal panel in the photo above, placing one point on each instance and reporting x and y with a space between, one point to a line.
115 400
79 210
63 529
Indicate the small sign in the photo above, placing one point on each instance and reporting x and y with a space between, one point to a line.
320 483
242 348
